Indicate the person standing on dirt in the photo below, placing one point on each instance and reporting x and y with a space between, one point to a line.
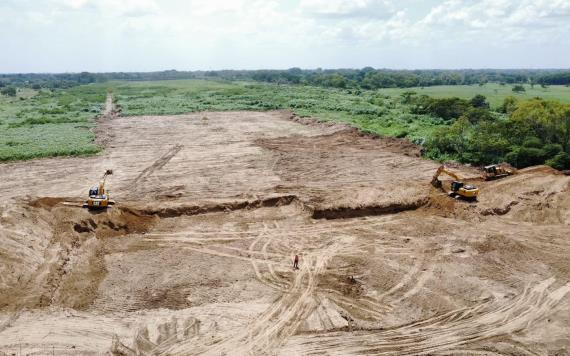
296 262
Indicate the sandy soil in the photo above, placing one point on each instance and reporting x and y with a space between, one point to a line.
196 257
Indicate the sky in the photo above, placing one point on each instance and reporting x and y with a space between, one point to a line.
149 35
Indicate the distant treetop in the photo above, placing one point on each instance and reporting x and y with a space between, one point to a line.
365 78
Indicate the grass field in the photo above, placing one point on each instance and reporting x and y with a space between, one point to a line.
44 123
495 93
55 123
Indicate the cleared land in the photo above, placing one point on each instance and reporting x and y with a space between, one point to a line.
196 256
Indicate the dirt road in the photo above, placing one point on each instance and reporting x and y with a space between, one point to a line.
196 257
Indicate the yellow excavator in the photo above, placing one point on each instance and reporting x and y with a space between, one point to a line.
99 196
458 188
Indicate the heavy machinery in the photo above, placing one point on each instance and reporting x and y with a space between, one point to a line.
496 171
458 188
99 196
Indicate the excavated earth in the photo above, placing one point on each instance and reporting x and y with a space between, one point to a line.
196 256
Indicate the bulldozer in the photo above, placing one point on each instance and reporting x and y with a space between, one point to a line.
496 171
99 196
458 188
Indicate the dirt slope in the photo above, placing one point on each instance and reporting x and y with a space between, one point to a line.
196 256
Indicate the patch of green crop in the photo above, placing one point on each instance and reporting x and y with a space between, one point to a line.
46 123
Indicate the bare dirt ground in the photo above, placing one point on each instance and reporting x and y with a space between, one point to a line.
196 257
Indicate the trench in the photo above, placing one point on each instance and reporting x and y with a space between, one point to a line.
189 210
368 210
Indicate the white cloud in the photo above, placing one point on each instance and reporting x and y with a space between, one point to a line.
347 8
117 7
499 21
283 33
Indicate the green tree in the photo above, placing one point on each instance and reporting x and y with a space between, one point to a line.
559 125
518 89
9 91
479 101
490 143
452 140
407 96
547 120
529 119
509 105
445 108
561 161
476 115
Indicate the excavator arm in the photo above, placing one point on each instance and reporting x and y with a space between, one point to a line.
108 172
441 170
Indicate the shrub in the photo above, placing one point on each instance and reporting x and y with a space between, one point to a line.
532 142
509 105
401 134
518 89
522 157
8 91
552 149
561 161
479 101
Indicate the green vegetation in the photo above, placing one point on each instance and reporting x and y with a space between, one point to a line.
49 123
365 78
8 91
479 124
519 89
529 132
494 92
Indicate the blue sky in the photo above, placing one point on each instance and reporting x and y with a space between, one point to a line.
144 35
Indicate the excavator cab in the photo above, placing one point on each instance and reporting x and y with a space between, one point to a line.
455 186
460 189
94 191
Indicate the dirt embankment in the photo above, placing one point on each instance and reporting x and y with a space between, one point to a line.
196 257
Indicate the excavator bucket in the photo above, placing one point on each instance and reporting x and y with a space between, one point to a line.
108 172
436 183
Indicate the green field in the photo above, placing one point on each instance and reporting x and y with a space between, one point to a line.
49 123
54 123
495 93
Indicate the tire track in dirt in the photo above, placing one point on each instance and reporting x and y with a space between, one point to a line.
271 282
439 333
261 259
280 320
148 171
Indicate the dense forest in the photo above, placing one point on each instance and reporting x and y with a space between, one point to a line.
365 78
523 133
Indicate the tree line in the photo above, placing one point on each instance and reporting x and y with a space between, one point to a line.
365 78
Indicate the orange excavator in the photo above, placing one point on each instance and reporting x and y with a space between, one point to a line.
99 196
458 188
